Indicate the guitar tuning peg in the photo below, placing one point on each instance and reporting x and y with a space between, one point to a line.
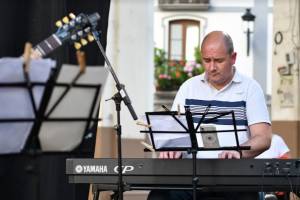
83 42
80 33
77 45
72 16
58 24
74 37
90 38
65 20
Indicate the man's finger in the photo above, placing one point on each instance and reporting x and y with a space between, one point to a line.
221 155
163 155
177 154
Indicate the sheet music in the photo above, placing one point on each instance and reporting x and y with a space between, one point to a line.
168 123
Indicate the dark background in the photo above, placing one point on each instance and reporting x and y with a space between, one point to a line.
34 21
34 174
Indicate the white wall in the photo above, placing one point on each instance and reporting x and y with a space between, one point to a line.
233 3
130 50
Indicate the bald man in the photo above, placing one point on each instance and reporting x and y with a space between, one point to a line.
224 89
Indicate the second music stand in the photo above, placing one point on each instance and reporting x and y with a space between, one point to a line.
182 125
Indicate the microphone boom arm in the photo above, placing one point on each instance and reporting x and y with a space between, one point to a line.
119 86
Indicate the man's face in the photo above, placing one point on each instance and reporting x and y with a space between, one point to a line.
218 63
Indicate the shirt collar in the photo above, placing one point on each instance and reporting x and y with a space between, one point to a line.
237 76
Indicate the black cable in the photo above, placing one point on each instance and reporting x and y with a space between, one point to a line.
262 182
297 184
290 184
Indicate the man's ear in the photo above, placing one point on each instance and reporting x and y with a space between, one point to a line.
233 58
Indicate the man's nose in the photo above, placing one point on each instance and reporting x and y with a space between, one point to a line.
212 66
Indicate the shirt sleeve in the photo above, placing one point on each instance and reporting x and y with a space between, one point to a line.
281 146
257 110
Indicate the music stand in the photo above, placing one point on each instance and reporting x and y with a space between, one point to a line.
47 106
20 131
181 127
21 97
72 108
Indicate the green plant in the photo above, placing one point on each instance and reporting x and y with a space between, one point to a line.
197 55
169 75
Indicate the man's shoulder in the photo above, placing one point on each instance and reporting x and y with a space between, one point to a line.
191 86
244 77
247 80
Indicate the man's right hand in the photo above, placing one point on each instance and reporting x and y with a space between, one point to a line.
170 155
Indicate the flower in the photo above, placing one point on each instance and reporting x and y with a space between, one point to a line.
169 75
164 76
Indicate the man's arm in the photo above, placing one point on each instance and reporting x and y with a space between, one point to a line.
260 140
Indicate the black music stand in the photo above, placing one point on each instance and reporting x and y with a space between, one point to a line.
33 159
21 97
72 108
43 107
183 124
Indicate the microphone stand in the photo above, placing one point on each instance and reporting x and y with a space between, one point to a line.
120 96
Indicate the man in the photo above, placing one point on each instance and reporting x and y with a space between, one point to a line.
223 88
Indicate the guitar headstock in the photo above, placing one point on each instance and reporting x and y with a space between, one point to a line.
74 29
77 29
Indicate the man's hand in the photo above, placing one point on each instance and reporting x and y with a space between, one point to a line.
170 154
229 155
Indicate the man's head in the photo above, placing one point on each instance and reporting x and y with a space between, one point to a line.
218 58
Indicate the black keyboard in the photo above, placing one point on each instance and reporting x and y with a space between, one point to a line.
213 174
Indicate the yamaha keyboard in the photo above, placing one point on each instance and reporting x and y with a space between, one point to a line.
213 174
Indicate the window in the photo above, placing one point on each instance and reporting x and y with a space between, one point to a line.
184 36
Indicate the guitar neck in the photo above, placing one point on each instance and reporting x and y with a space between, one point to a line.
46 46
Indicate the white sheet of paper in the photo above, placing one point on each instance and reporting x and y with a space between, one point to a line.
168 123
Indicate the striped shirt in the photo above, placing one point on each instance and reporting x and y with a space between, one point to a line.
242 97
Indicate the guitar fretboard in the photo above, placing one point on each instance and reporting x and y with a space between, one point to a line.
48 45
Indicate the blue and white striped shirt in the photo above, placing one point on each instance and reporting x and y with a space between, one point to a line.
242 95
